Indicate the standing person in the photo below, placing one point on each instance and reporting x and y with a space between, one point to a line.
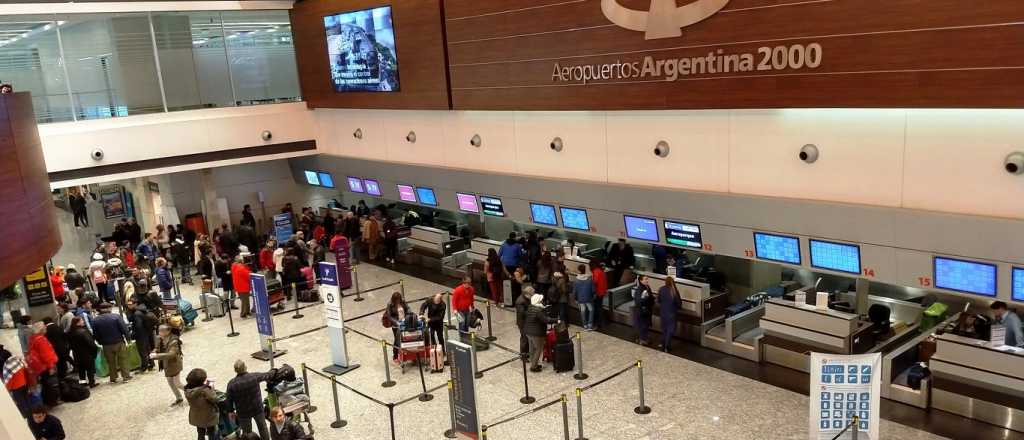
600 291
522 306
390 240
73 279
112 333
85 311
558 295
168 352
283 428
57 283
247 218
134 232
24 326
98 274
64 321
329 224
519 278
246 400
371 236
433 311
83 350
496 274
510 253
45 426
1010 320
583 290
240 282
42 362
462 302
668 303
163 279
203 406
16 380
266 257
362 210
222 266
545 267
180 256
144 324
660 254
351 228
162 242
59 341
621 258
146 251
531 254
536 327
292 274
643 309
78 209
396 311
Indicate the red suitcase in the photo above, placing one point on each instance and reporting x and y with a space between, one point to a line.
549 346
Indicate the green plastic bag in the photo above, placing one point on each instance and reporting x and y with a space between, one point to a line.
101 365
131 357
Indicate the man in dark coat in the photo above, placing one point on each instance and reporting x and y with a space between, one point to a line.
144 326
134 233
247 218
59 341
246 400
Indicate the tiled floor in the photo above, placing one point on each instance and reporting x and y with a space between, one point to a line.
689 400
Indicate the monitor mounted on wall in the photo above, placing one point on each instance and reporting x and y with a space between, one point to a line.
361 50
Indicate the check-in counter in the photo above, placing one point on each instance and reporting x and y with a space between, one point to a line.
739 335
425 246
479 247
896 363
700 309
792 331
973 379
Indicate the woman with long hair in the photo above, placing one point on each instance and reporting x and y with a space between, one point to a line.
496 273
397 310
668 303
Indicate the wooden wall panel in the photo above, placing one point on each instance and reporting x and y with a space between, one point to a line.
420 48
29 228
876 53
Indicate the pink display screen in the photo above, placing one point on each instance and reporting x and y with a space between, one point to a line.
406 193
467 202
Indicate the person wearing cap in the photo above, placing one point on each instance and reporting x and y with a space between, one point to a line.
111 333
536 327
73 279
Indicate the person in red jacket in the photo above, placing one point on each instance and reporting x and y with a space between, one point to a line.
57 282
42 362
462 302
267 257
600 289
240 282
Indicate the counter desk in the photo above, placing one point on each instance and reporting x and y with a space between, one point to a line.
976 380
792 331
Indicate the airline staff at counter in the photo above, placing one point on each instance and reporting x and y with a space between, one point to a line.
1010 320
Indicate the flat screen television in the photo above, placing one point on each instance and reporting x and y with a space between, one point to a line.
965 276
492 206
426 195
641 228
781 248
355 185
467 203
312 178
1018 284
683 234
575 218
326 180
372 187
543 214
406 193
835 256
361 50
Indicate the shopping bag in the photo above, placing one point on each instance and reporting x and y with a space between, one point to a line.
132 360
101 365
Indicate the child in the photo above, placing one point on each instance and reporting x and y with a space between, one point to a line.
44 426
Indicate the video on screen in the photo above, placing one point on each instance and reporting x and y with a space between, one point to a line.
361 51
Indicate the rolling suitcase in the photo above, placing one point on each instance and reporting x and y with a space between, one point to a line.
564 357
213 304
549 346
506 287
188 313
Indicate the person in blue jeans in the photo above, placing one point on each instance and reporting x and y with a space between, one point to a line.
511 253
584 291
163 279
669 303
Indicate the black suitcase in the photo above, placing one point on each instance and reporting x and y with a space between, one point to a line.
564 357
72 391
51 391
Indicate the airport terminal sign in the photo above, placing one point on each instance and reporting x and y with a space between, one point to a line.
845 390
467 418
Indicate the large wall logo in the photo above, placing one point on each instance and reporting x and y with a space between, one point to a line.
664 19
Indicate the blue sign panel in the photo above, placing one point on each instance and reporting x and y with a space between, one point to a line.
283 227
264 321
426 196
641 228
574 218
1018 284
328 274
965 276
835 256
777 248
543 214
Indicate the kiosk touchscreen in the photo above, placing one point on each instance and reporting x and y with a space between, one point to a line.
355 185
781 248
492 206
641 228
426 195
574 218
543 214
406 193
965 276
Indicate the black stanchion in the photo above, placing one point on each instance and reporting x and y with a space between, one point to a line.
388 383
565 417
338 422
450 433
642 409
355 281
580 375
490 333
231 320
448 300
425 396
527 399
295 299
579 414
391 415
472 341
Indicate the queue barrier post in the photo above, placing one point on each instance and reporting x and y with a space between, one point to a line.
580 375
355 280
565 417
295 300
450 433
388 383
856 428
338 422
401 287
231 319
527 399
424 396
305 386
643 408
472 340
483 432
579 414
490 333
448 309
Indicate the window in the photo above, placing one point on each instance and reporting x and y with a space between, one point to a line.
261 57
30 62
193 59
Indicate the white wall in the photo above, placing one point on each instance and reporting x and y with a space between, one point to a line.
936 160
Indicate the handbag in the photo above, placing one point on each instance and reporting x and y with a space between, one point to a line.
385 320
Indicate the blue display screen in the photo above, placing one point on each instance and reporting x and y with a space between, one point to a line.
326 180
543 214
426 196
574 218
642 228
777 248
1018 284
835 256
965 276
312 178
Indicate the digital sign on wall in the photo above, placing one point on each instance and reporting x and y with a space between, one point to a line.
641 228
965 276
835 256
543 214
683 234
406 193
361 51
781 248
467 203
574 218
1018 284
355 185
326 180
426 195
372 187
492 206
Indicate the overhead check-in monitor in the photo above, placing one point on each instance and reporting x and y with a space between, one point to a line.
467 203
683 234
372 187
492 206
426 195
361 50
1018 284
355 185
575 218
543 214
835 256
641 228
965 276
326 180
781 248
312 177
406 193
